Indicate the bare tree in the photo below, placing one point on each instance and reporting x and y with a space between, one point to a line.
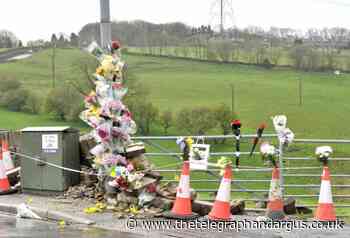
166 120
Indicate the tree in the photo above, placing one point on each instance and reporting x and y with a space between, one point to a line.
275 55
224 49
74 39
222 116
61 41
62 103
20 44
145 114
166 120
195 121
297 54
8 39
54 39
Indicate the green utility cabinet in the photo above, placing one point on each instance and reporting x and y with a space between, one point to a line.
56 145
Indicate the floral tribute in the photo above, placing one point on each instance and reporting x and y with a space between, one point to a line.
125 174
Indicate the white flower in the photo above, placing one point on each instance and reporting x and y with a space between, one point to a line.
266 149
181 142
286 136
324 151
279 122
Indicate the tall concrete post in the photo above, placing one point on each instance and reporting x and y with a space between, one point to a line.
105 26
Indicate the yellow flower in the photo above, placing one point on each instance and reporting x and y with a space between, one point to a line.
177 178
92 210
189 141
98 160
92 94
113 174
101 205
222 163
29 200
62 224
100 71
133 210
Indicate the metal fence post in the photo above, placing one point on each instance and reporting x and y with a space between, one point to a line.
280 157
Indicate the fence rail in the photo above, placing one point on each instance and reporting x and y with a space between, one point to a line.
212 137
260 193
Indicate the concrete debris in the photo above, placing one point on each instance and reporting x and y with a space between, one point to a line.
202 208
237 207
303 210
289 206
262 203
87 179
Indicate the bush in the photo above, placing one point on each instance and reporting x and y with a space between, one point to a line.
196 120
266 64
63 103
14 100
8 84
33 103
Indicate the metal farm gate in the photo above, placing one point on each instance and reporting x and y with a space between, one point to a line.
300 175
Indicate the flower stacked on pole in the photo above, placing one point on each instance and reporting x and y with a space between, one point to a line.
120 162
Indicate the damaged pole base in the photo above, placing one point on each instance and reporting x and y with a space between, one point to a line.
172 215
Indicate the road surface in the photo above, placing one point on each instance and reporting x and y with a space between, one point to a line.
15 54
12 227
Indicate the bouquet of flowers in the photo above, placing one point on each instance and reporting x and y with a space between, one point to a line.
323 153
268 153
258 136
222 163
285 135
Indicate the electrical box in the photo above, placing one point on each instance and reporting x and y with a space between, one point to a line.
55 145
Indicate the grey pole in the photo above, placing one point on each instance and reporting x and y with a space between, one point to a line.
105 25
281 167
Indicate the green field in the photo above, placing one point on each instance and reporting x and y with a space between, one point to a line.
259 94
35 74
341 60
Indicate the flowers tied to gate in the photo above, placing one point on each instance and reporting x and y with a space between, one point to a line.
268 152
279 122
222 163
323 153
286 136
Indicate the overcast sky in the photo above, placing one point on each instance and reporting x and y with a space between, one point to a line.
33 19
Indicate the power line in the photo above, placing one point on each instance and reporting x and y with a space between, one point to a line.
222 15
333 2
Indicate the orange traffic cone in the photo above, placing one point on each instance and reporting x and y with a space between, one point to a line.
4 182
222 208
182 208
6 156
275 204
325 210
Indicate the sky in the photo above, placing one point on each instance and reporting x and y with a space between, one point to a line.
35 19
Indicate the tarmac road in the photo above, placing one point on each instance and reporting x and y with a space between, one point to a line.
15 54
12 227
